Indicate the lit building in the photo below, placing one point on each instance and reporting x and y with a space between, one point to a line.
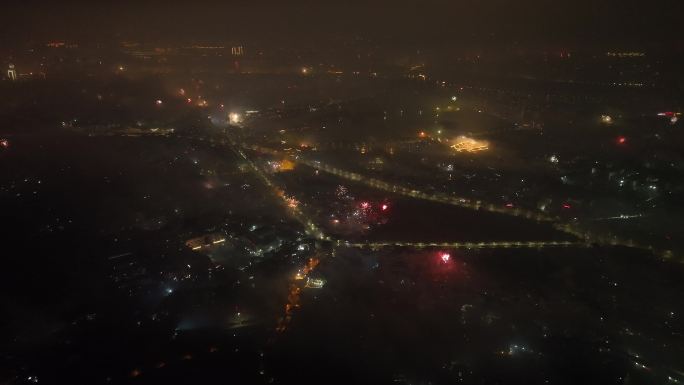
206 242
314 283
606 119
11 72
237 51
466 144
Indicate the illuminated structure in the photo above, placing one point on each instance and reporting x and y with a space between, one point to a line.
237 51
313 283
281 166
206 242
286 165
625 54
11 72
466 144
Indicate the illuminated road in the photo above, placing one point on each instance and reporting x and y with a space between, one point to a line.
413 193
569 228
294 286
467 245
417 194
309 226
312 229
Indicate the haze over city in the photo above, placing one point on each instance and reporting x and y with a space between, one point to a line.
359 192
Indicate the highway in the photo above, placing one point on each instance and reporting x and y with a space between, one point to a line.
413 193
466 245
573 229
309 226
417 194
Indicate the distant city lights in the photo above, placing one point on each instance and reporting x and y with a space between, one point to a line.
673 116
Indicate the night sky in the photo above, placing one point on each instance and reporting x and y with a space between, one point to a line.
432 22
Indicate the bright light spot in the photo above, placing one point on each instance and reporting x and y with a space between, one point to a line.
445 257
622 140
553 159
566 206
606 119
365 205
454 98
384 207
159 102
466 144
292 202
234 118
422 134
